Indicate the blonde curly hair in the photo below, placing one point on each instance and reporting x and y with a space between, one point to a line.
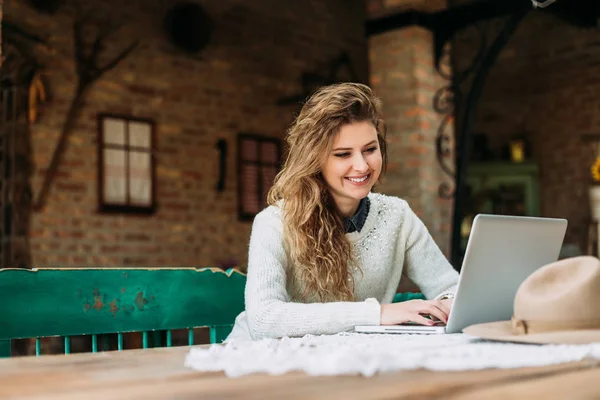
314 233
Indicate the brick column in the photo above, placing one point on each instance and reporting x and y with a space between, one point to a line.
402 73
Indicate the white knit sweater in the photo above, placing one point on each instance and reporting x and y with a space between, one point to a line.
392 240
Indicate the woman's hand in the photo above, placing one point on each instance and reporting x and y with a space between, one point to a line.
448 304
413 311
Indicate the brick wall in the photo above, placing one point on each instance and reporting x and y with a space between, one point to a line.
256 56
402 73
545 85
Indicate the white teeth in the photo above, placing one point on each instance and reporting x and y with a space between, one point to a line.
359 180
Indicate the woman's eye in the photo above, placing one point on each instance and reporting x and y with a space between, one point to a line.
371 149
342 155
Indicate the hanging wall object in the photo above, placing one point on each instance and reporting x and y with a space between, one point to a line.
188 26
222 147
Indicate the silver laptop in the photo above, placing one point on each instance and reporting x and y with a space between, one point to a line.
501 253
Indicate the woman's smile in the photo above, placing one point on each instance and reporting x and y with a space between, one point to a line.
359 180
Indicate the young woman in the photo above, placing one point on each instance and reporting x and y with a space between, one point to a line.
328 254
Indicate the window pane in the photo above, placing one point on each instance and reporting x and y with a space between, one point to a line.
114 131
140 134
249 180
114 177
140 178
268 175
249 149
269 153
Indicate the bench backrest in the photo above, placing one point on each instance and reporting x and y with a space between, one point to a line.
92 301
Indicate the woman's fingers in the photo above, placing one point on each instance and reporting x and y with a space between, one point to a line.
413 311
443 306
437 313
433 309
422 320
448 303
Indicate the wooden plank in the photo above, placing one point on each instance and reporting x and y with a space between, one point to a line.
66 302
578 384
160 373
404 384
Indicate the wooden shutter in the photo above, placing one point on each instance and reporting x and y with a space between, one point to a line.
258 164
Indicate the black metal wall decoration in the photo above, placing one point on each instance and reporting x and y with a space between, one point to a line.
222 147
339 69
188 26
443 103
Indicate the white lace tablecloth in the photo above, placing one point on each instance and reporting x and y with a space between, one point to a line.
368 354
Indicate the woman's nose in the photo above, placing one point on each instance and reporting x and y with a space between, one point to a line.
360 164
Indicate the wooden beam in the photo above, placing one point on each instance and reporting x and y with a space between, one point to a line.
451 19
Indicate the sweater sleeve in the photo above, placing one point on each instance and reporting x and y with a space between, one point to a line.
270 311
424 262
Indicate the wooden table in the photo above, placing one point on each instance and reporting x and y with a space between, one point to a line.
160 374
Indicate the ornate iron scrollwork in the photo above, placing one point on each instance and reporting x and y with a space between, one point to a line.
449 102
446 99
443 103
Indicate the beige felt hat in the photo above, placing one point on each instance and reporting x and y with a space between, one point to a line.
558 303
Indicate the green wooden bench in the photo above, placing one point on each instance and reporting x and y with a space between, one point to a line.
97 302
71 302
400 297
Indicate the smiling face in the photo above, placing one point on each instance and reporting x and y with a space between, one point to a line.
353 166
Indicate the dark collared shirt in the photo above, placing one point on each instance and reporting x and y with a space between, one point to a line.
357 221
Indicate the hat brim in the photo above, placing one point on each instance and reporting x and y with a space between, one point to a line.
502 331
